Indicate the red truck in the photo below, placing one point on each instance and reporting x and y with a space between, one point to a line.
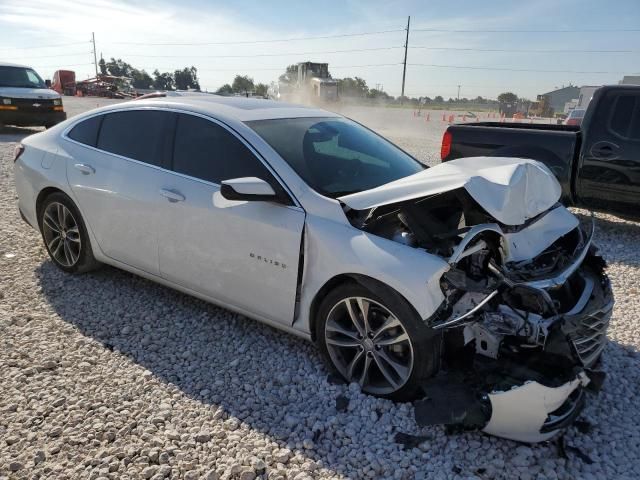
64 82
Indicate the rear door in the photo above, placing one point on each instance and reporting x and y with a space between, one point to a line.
609 175
244 254
117 180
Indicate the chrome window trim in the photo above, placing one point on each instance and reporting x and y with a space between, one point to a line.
65 135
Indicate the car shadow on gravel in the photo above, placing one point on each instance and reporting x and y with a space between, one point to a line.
273 382
16 134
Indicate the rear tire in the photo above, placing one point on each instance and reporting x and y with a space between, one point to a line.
65 234
389 354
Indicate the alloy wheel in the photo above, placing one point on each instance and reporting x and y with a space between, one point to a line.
369 345
61 234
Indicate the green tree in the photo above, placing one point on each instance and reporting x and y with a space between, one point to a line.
380 94
262 89
352 87
226 89
186 79
508 97
119 68
163 81
290 75
141 79
243 84
103 66
438 99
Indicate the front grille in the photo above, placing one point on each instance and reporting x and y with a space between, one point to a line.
591 337
29 104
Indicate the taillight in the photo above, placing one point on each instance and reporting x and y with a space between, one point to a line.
17 152
445 150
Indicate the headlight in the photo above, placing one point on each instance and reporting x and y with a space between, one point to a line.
6 101
57 101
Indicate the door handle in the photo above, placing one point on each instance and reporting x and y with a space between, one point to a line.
84 168
605 150
172 195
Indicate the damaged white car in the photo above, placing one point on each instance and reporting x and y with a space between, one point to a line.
465 285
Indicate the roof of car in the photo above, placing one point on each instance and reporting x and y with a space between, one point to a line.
239 108
7 64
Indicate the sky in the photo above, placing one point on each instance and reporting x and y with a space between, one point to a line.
451 42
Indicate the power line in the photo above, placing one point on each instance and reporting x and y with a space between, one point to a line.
586 30
48 56
265 54
64 66
237 69
522 50
247 42
46 46
507 69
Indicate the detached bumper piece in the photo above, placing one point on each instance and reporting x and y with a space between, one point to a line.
534 412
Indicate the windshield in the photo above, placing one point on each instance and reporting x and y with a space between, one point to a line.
577 113
20 77
336 156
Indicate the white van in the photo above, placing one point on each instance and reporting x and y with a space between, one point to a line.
26 100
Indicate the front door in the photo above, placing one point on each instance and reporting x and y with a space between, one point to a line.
244 254
609 176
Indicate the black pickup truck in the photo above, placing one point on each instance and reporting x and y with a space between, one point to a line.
597 163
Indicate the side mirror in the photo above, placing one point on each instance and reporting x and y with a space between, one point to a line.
47 83
250 189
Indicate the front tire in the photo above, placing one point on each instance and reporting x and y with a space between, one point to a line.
377 340
65 235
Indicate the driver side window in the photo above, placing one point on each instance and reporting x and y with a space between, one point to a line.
207 151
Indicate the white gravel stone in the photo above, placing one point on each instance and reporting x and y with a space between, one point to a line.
107 375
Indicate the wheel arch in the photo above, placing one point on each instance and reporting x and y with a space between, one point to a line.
370 283
42 196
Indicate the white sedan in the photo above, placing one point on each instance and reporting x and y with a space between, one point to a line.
308 221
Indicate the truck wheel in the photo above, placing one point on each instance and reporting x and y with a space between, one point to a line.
377 340
65 235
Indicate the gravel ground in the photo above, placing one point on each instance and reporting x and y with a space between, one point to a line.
107 375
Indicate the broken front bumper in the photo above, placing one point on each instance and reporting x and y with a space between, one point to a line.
528 389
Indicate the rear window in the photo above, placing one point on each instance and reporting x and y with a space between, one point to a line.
137 134
86 132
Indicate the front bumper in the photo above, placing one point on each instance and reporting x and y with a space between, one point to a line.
527 386
31 119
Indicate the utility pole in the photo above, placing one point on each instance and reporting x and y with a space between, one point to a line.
404 67
95 59
459 91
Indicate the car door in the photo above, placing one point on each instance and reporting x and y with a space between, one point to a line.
116 179
609 176
243 254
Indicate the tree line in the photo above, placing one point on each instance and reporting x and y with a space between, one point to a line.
348 87
184 79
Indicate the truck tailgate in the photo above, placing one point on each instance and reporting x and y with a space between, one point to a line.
554 145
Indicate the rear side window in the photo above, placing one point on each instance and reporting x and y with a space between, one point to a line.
207 151
137 134
625 118
86 132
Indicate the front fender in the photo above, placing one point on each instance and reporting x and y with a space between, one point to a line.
333 249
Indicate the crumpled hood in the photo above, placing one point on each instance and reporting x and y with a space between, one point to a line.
512 190
34 93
